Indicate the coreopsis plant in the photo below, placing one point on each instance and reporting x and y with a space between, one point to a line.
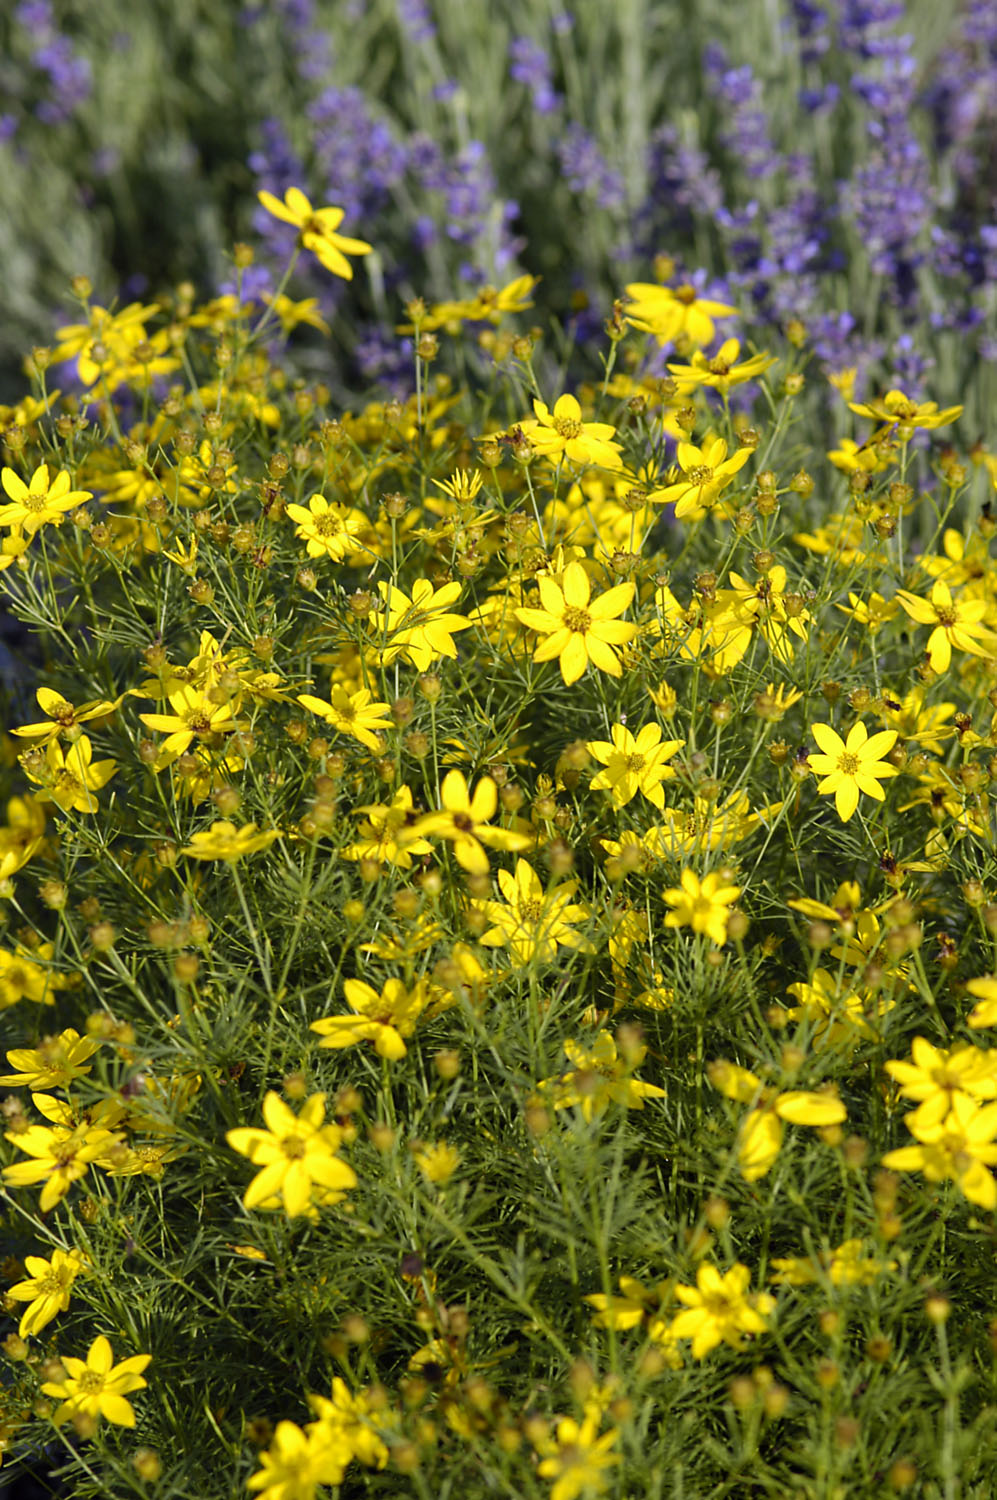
397 816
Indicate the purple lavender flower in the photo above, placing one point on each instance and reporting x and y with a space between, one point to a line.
587 171
530 65
416 21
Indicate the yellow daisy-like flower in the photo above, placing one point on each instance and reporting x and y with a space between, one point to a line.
853 766
720 1310
330 529
384 1019
722 370
224 841
532 922
298 1461
39 502
354 714
578 1459
47 1290
898 409
668 312
62 717
580 629
437 1162
848 1265
702 904
985 991
634 763
194 716
69 777
60 1157
55 1063
707 472
957 623
317 228
561 434
600 1077
957 1148
296 1155
419 628
464 820
935 1077
762 1128
96 1386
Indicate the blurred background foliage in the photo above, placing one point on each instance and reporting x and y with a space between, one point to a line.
828 162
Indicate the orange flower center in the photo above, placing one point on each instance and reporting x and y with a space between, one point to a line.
686 294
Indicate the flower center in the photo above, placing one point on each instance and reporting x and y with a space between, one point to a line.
946 615
199 722
67 785
463 822
686 294
848 764
328 524
718 367
34 502
63 713
293 1147
49 1283
577 619
567 427
635 762
90 1382
699 474
530 911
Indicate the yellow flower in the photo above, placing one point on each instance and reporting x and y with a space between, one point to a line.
720 1309
562 434
417 628
633 763
56 1063
390 834
631 1308
852 766
762 603
62 717
839 1013
935 1078
346 1418
104 346
915 720
668 312
577 1459
296 1155
38 502
61 1156
959 1148
531 922
97 1387
291 313
184 557
463 485
464 821
873 613
851 456
762 1128
437 1162
600 1077
957 624
707 473
194 716
23 978
722 370
580 629
297 1462
985 990
69 777
383 1019
351 713
224 841
897 409
702 904
317 230
330 529
846 1266
47 1291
